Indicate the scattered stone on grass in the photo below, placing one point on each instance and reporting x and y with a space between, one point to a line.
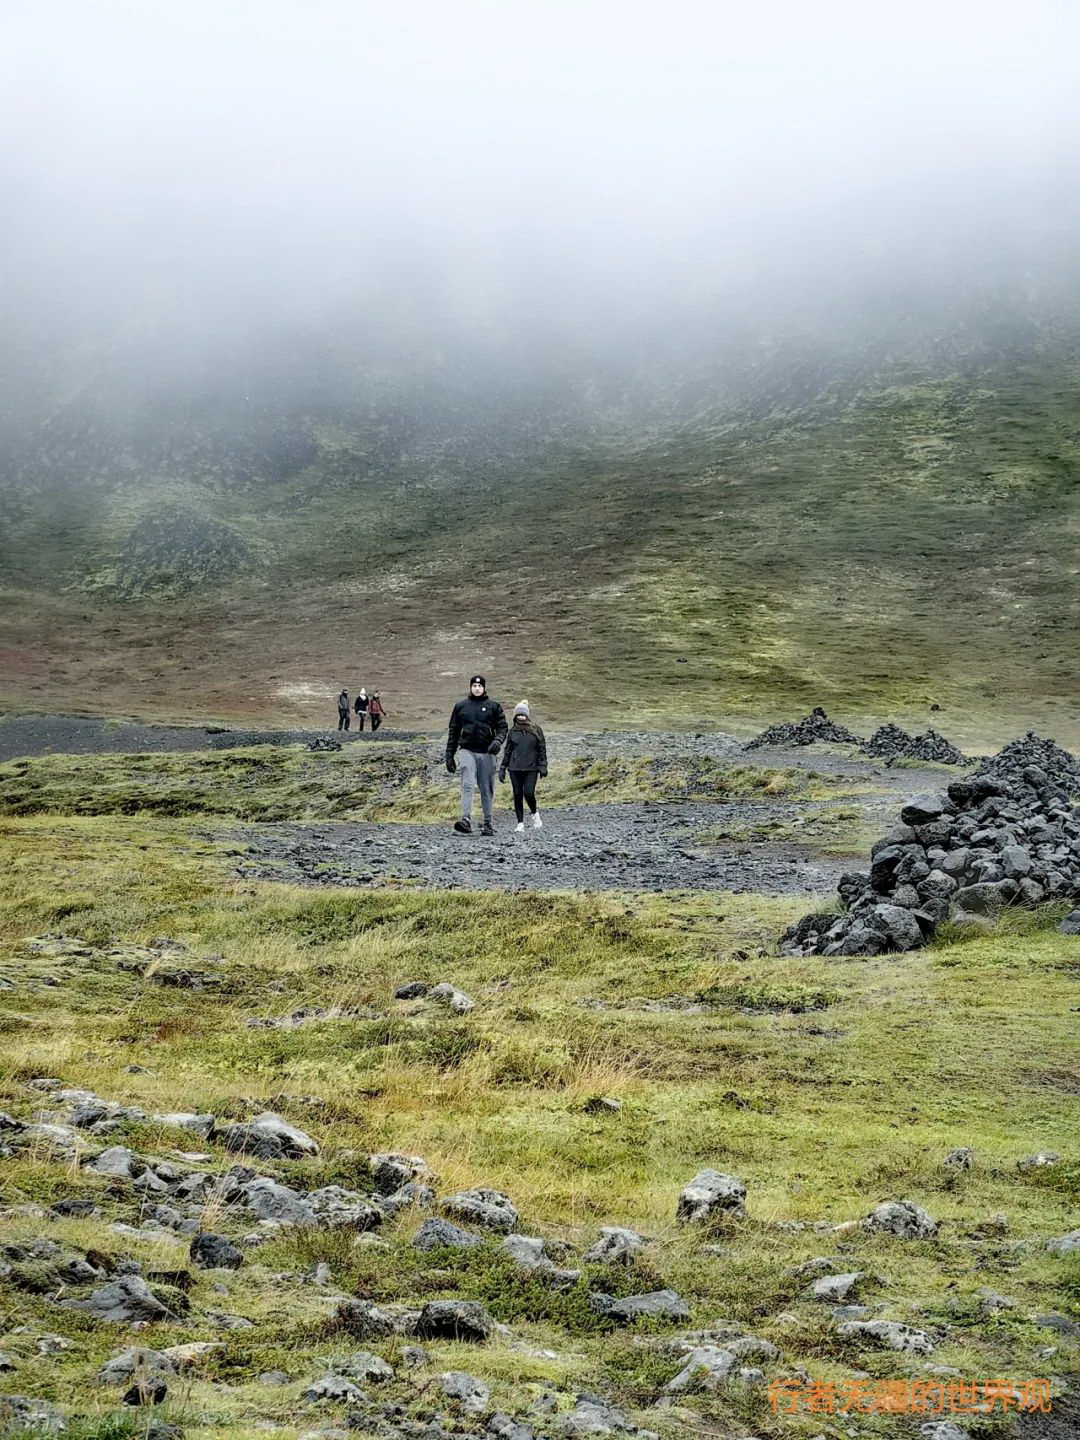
214 1252
454 1320
490 1209
888 1335
469 1392
711 1195
901 1218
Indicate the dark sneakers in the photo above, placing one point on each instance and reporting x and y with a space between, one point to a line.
487 829
463 826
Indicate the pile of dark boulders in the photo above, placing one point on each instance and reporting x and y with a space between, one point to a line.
814 729
890 742
1007 835
1012 760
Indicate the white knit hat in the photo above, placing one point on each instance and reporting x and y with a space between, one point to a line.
522 708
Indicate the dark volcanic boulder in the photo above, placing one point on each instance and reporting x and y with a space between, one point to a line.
214 1252
454 1320
123 1301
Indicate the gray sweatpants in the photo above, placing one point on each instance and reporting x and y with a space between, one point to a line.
477 770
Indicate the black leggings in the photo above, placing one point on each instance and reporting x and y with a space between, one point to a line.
343 719
376 721
524 785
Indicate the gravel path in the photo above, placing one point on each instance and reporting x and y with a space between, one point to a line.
646 846
22 735
641 846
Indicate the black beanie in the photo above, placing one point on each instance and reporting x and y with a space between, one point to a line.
478 680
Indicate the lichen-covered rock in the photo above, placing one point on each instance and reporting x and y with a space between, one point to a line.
711 1195
901 1218
435 1234
614 1245
469 1392
707 1366
363 1319
343 1209
490 1209
122 1301
336 1388
135 1361
656 1305
267 1200
268 1136
836 1288
888 1335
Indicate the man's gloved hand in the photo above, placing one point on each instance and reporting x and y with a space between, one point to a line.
451 764
494 747
543 774
502 777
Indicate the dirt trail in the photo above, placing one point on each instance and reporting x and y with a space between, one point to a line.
651 845
647 846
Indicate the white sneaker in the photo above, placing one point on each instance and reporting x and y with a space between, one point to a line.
538 824
520 827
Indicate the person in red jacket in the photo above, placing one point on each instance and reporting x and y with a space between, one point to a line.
376 711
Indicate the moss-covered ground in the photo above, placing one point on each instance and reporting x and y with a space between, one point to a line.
396 781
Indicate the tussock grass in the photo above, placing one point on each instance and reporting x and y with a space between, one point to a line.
399 781
826 1085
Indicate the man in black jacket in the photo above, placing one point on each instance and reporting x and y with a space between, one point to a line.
477 731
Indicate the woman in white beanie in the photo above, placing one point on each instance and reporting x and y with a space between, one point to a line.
525 757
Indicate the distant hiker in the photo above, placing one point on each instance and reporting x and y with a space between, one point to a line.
343 710
477 731
361 707
525 757
376 711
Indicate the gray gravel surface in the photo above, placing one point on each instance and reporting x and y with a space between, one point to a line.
640 846
647 846
22 735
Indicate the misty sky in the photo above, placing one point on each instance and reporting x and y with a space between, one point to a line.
294 155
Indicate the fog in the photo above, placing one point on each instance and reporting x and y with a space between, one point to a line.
176 175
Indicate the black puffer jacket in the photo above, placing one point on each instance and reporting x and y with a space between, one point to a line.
476 724
525 749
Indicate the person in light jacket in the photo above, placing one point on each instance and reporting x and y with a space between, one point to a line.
524 758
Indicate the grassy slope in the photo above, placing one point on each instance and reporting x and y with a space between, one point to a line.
912 544
822 1114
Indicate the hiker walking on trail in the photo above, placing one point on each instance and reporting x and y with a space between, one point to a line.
376 711
343 710
361 707
525 758
477 731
